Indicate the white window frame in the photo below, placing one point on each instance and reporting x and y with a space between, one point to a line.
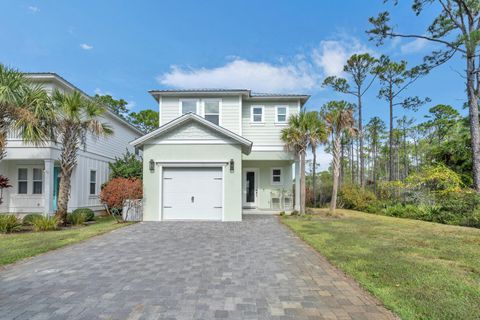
287 113
33 180
180 106
263 115
18 180
90 182
219 108
276 183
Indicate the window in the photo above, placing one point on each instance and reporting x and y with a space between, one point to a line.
187 106
93 182
281 114
37 181
212 111
276 176
257 114
22 181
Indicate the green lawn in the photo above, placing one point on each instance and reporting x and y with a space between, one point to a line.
17 246
420 270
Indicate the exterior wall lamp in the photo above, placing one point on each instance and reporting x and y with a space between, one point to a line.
232 166
152 165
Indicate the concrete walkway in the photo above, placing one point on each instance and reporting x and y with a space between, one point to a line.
255 269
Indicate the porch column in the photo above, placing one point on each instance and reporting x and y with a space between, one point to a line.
297 184
48 186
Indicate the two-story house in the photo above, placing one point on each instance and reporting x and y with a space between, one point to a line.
217 153
34 171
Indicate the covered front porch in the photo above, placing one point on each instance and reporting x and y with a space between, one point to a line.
34 185
268 186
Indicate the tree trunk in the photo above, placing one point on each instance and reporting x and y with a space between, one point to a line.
302 183
68 161
352 164
360 140
474 126
405 158
336 165
374 167
390 155
3 144
314 151
342 161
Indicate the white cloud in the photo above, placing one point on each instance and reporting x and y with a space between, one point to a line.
332 55
301 73
241 73
131 104
85 46
33 9
414 46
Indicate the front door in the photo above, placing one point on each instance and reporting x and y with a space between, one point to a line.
250 188
56 185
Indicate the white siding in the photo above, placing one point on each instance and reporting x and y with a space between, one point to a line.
230 114
192 131
267 133
81 182
114 145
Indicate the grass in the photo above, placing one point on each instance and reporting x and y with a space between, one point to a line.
419 270
17 246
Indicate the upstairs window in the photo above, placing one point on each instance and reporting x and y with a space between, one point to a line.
93 182
22 180
257 115
187 106
212 111
281 114
37 181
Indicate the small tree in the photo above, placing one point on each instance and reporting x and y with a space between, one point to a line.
394 79
4 184
339 118
130 166
358 67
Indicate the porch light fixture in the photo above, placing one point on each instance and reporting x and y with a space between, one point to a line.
232 165
152 165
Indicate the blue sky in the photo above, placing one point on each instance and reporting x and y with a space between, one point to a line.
126 48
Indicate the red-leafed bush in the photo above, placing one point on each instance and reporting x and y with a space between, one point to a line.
117 190
4 184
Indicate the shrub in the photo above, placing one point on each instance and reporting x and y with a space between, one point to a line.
471 220
87 213
43 223
129 167
355 197
9 223
28 219
117 190
76 218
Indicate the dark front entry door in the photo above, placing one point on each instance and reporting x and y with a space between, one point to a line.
250 187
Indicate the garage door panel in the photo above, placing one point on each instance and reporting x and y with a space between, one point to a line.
192 193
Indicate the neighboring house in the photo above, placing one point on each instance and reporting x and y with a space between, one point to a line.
216 153
34 171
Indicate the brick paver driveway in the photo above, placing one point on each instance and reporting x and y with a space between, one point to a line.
255 269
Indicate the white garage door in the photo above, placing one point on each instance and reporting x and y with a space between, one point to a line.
192 193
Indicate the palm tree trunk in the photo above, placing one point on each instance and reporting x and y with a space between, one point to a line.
302 183
314 151
68 161
336 167
3 144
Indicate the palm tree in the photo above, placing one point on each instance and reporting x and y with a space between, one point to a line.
24 107
338 116
76 116
317 134
296 139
